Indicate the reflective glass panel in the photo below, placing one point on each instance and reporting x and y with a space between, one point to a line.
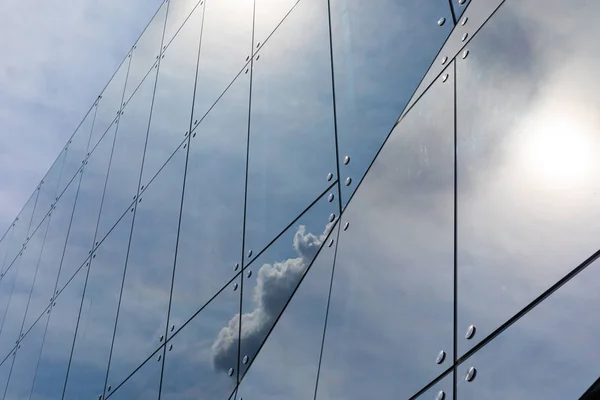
26 265
292 141
179 11
50 377
47 272
280 370
172 106
146 51
272 278
144 384
210 239
142 317
225 49
91 351
550 353
528 168
126 162
459 7
392 300
26 360
109 103
380 53
76 150
4 245
47 194
194 366
6 287
87 208
442 390
268 15
5 371
20 230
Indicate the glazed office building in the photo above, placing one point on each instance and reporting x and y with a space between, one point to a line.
316 199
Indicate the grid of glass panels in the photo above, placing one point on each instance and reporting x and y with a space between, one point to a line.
321 199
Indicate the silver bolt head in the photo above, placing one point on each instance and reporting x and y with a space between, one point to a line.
470 332
471 374
331 217
245 360
346 160
444 77
440 357
230 372
329 176
441 21
444 60
441 395
348 181
465 54
330 197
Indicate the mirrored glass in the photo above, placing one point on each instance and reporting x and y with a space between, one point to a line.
225 49
178 14
548 353
4 245
468 25
47 192
210 238
87 208
528 172
280 370
128 152
26 266
380 53
51 373
268 15
146 51
144 384
272 278
459 7
109 103
26 360
76 150
20 230
59 220
91 351
142 318
292 141
5 371
195 368
442 390
6 287
172 106
393 290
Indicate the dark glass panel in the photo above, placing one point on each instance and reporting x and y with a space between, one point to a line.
281 370
380 53
272 278
210 239
528 168
292 141
392 300
194 367
172 106
144 303
91 351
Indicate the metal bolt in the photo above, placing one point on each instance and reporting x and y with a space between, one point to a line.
100 397
444 60
441 21
161 338
346 225
441 395
108 388
249 253
236 266
329 177
258 44
230 372
172 328
444 77
258 56
464 21
249 274
170 347
470 332
245 360
464 37
159 357
331 217
440 357
471 374
330 243
330 197
465 54
461 2
346 160
235 286
348 181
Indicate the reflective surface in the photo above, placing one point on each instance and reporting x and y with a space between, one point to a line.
391 306
47 192
527 185
144 384
291 150
144 303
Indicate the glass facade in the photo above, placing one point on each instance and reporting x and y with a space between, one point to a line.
321 199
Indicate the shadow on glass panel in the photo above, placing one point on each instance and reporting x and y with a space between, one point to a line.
271 279
128 152
292 141
392 308
210 238
142 318
26 360
47 194
51 372
146 51
26 266
193 369
76 150
225 49
380 53
173 96
87 208
144 383
557 338
528 175
286 366
91 351
59 220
